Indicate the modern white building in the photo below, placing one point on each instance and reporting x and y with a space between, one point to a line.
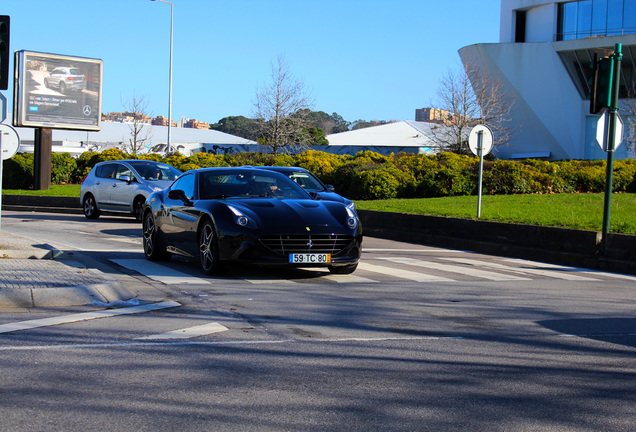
405 136
187 141
543 57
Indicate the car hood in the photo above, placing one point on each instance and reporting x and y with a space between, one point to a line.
294 215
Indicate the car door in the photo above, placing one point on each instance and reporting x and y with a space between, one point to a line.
180 219
104 180
122 192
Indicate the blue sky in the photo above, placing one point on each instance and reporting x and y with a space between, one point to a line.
364 59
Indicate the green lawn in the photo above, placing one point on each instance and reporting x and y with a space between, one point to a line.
56 190
580 211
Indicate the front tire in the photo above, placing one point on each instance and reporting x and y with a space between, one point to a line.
138 208
209 251
90 207
152 246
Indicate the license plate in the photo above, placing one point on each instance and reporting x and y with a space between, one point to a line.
310 258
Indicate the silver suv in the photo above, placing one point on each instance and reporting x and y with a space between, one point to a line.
122 186
65 78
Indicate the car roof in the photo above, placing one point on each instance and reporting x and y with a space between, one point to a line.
282 169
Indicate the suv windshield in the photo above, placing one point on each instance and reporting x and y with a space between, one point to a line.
149 170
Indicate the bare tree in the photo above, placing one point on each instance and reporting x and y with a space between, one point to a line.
137 115
282 106
472 97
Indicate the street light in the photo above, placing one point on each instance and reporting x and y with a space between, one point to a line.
170 79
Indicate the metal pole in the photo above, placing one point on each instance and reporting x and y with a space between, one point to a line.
170 79
480 150
611 143
170 76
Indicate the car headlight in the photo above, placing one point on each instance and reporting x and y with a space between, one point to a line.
241 219
352 220
351 205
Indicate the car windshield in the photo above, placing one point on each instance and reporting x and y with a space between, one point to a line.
153 171
244 184
306 181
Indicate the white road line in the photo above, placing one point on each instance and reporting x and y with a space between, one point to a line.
408 250
525 270
159 272
571 269
340 278
256 280
464 270
85 316
187 333
403 274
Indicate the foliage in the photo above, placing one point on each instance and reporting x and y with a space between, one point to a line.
239 126
62 168
370 175
17 172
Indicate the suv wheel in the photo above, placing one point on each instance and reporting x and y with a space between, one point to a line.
90 207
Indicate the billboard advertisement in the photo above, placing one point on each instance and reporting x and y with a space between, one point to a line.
57 91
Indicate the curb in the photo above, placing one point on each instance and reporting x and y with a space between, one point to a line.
106 292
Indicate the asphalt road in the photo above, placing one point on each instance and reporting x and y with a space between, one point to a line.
418 338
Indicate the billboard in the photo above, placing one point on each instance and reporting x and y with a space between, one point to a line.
57 91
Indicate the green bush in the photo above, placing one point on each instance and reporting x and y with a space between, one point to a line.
63 166
17 172
370 175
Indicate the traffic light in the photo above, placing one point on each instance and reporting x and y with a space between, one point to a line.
4 51
601 86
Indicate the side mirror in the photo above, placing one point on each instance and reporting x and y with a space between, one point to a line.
316 196
330 188
125 178
178 194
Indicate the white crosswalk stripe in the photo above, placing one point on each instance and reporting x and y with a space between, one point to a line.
464 270
403 274
373 270
525 270
571 269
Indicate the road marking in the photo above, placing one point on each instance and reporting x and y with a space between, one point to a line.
187 333
571 269
85 316
401 273
525 270
410 250
465 270
338 278
159 272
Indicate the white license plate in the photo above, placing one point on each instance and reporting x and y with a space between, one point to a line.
310 258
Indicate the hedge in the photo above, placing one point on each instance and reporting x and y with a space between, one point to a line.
370 175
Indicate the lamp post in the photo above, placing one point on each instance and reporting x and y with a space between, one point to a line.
170 77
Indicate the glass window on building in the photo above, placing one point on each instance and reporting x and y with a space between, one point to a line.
587 18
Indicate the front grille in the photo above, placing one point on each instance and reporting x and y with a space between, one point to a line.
327 243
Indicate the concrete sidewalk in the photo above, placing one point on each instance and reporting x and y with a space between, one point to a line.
33 274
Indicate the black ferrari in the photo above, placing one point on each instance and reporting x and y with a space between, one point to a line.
229 216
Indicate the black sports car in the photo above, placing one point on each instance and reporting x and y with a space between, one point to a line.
247 215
